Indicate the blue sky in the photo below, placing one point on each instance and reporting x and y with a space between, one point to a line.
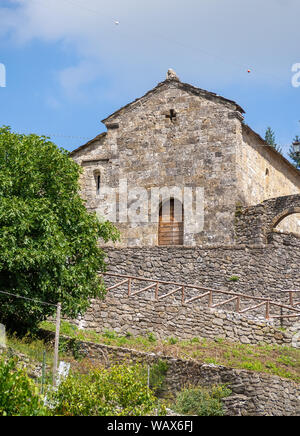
68 64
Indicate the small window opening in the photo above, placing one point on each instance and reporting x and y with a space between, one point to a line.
171 115
267 172
98 184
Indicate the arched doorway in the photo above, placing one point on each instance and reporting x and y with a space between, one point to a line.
171 223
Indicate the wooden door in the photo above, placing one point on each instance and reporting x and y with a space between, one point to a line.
171 224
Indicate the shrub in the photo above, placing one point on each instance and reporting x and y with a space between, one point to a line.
151 337
158 373
110 334
234 279
117 391
18 394
201 401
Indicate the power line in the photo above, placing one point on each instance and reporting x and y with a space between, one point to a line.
27 298
179 43
81 7
59 135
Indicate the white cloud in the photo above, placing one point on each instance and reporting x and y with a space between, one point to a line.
204 41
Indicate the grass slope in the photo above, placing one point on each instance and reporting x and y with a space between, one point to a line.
276 360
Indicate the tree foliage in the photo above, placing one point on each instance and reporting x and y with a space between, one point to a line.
271 139
19 395
48 240
294 156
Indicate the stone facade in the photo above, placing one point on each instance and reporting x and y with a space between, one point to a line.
181 136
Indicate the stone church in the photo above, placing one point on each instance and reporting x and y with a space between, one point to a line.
181 137
201 201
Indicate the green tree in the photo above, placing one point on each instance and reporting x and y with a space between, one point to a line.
48 240
294 156
271 139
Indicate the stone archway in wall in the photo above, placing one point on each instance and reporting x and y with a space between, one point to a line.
282 215
287 221
256 224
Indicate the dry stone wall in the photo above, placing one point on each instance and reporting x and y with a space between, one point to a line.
260 270
139 316
253 394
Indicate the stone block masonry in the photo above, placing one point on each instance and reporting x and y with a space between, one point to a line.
260 270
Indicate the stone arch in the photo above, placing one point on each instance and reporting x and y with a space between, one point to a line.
255 224
171 222
277 220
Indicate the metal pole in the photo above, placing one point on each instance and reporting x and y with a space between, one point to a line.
55 361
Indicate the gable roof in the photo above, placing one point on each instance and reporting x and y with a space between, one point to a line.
97 138
271 149
183 86
198 92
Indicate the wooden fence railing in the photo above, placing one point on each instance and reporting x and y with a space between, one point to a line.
209 294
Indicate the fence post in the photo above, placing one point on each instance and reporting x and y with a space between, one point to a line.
238 304
55 361
156 291
182 295
268 309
